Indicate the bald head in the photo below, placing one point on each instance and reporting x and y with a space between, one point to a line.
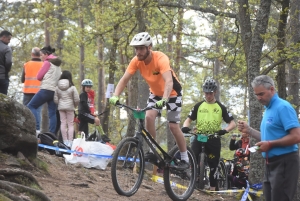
35 52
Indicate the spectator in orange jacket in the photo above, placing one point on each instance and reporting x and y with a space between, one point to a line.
31 83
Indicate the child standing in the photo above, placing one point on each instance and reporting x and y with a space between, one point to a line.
86 107
67 98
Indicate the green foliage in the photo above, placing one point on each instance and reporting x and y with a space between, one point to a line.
116 22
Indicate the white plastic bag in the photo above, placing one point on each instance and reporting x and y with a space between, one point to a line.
97 155
80 145
102 155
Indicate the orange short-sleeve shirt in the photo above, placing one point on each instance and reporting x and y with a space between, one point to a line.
152 73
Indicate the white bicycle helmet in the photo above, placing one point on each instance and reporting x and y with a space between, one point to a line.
140 39
87 82
209 85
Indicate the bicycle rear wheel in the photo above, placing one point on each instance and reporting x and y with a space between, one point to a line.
222 179
127 167
180 184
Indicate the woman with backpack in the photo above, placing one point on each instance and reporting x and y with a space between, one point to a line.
67 99
48 75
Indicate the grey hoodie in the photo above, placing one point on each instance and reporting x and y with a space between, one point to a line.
66 96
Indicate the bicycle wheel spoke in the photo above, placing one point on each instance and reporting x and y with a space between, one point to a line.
180 184
127 168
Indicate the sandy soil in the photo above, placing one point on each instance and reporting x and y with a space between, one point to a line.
73 182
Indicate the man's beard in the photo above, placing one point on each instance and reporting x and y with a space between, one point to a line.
144 57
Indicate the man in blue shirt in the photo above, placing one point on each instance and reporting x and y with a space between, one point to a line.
279 134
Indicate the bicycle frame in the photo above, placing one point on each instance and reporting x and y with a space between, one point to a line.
128 163
142 132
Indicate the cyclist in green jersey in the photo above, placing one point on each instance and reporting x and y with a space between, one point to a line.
209 115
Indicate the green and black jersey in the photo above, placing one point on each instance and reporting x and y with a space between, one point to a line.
209 116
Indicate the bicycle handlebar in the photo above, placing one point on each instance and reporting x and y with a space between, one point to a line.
195 134
133 109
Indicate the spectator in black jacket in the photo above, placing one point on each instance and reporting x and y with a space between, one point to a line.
85 115
5 61
242 143
239 175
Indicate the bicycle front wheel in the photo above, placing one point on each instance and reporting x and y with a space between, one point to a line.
127 167
202 177
180 184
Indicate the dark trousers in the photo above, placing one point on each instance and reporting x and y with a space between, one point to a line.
212 149
4 83
281 177
41 97
85 119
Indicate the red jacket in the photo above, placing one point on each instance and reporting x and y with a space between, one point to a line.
91 97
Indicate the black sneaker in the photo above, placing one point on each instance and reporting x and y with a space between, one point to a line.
149 156
181 165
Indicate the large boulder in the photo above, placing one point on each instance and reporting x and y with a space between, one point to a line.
17 128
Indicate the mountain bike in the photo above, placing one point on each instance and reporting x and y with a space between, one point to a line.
221 176
203 169
128 163
229 164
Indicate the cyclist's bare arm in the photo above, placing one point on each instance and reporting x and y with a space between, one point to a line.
187 122
231 126
122 83
167 76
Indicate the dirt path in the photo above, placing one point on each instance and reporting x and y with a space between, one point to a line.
71 182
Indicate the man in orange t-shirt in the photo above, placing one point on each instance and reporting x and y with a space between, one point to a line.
165 89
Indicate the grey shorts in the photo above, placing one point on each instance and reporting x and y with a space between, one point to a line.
173 107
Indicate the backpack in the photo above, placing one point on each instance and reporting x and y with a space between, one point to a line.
50 139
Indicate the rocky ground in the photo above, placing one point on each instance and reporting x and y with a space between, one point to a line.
72 182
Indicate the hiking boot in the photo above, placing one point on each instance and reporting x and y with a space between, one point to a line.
181 165
149 156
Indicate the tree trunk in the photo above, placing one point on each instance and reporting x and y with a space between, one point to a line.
217 64
245 25
81 42
101 85
111 72
170 137
61 33
178 45
281 75
143 89
293 85
101 104
44 124
142 92
253 63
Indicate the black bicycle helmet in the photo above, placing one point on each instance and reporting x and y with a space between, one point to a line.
209 85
